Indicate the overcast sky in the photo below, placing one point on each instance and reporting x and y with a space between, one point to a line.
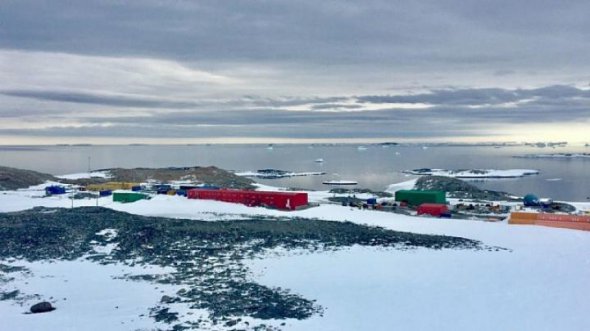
114 71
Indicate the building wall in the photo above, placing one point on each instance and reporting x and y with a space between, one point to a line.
434 209
111 186
416 197
576 222
280 200
128 197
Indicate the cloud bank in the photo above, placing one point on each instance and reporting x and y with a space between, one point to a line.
428 70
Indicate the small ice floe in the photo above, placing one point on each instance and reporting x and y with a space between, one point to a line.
362 148
320 160
553 179
339 182
275 173
474 173
82 175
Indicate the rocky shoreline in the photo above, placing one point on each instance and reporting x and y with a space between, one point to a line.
12 178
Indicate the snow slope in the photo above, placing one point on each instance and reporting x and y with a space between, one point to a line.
369 289
539 283
407 185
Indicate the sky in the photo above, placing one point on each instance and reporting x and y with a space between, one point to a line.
180 71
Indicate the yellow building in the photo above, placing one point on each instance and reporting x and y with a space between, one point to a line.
111 186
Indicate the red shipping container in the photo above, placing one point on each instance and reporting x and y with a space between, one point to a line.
279 200
433 209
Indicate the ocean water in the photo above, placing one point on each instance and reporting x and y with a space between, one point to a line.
374 167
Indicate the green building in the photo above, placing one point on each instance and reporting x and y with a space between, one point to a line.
416 197
128 196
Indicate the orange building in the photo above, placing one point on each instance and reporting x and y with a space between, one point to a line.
577 222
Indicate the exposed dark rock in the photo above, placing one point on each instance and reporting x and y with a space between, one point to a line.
166 299
41 307
207 175
8 268
457 188
9 295
164 315
12 178
231 323
353 191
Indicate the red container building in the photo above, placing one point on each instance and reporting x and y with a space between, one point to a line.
433 209
279 200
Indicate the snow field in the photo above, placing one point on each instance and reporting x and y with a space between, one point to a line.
87 296
540 282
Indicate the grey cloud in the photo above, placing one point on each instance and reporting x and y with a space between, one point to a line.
504 72
245 54
159 103
451 111
489 97
450 97
254 131
432 33
483 96
106 100
335 106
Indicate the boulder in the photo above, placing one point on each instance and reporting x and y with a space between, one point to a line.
42 307
167 299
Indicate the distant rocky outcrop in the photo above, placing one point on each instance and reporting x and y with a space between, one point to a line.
207 175
13 179
457 188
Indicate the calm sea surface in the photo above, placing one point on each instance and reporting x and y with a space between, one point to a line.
374 168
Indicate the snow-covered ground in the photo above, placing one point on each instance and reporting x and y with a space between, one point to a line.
406 185
539 283
181 207
475 173
527 288
88 296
